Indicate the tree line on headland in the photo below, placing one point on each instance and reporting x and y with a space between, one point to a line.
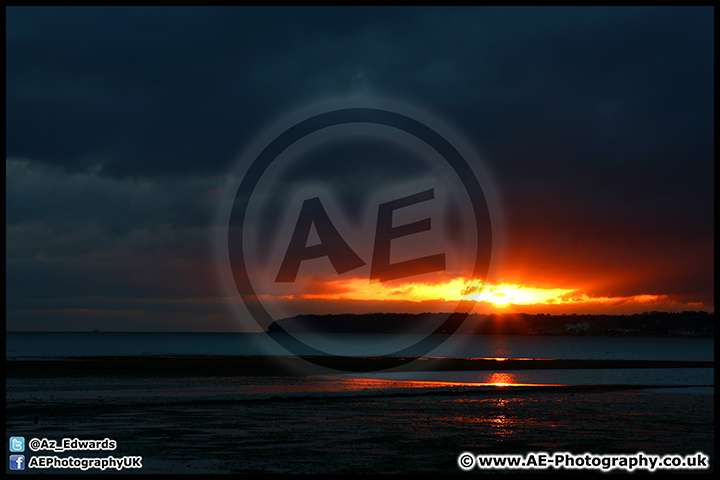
688 323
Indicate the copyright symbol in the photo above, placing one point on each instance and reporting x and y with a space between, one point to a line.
34 444
466 461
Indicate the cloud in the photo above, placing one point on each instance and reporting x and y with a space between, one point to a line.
86 234
596 123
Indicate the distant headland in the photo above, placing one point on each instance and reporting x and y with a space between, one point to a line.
688 323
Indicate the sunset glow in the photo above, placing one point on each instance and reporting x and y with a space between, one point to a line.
457 289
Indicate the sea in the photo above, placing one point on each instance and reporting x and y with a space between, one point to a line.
632 396
59 346
25 345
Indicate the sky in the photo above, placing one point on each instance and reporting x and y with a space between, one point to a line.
125 127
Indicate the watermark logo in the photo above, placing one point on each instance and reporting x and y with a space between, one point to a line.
17 444
356 206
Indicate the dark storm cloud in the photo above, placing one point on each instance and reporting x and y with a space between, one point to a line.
90 235
155 90
597 124
147 91
86 249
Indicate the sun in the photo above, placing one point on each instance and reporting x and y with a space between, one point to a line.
500 299
507 294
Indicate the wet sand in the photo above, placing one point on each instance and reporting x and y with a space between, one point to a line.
378 435
405 432
258 415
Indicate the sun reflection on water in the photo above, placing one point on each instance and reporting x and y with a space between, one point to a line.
499 379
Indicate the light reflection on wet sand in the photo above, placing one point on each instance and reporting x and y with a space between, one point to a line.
498 379
346 424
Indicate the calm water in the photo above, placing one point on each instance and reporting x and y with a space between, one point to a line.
43 345
54 345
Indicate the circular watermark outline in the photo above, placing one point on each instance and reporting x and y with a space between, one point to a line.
315 118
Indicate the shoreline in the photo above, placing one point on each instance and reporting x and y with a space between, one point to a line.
222 365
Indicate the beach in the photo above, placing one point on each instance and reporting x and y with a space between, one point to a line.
342 423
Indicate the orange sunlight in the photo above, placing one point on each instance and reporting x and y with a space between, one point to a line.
458 289
499 379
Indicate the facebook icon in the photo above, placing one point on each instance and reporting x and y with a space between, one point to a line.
17 462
